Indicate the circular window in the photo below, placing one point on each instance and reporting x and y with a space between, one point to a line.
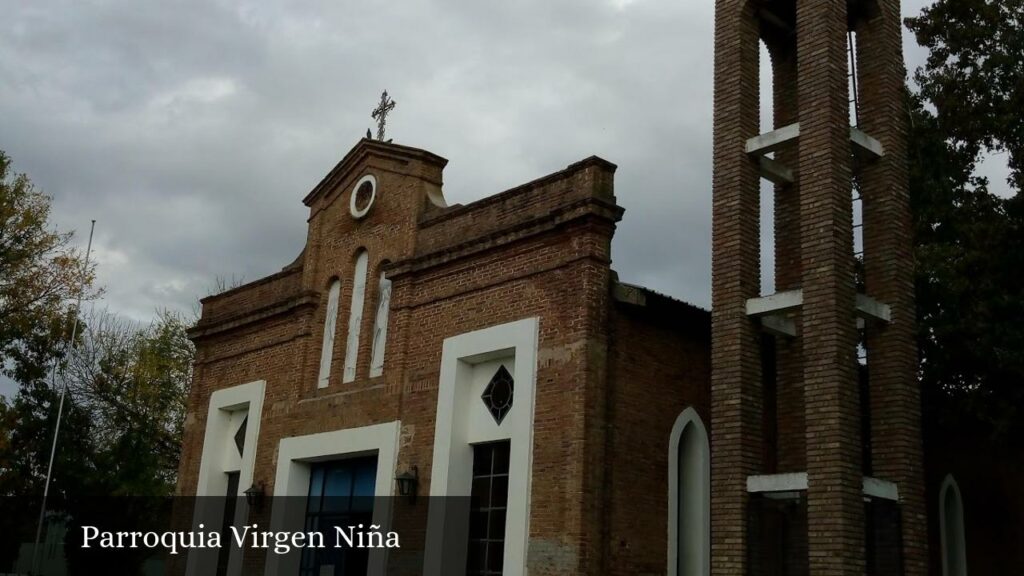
363 195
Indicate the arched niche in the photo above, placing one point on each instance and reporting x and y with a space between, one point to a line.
689 497
951 528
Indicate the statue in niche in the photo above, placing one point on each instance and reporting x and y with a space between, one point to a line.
380 327
330 320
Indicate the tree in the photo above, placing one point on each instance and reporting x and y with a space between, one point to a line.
120 433
127 386
133 381
969 286
40 276
27 423
974 75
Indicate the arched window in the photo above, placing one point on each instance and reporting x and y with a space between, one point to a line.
380 326
330 324
951 527
689 497
355 317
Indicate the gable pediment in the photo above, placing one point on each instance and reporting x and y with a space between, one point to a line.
365 151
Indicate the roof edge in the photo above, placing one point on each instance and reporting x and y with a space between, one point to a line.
431 218
367 147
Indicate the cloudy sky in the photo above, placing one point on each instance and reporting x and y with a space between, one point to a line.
192 129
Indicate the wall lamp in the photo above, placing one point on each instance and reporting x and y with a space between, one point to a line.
254 496
407 483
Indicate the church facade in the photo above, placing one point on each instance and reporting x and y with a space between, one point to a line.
484 351
477 378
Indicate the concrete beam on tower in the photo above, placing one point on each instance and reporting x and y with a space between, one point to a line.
775 140
864 146
779 326
870 309
774 171
775 304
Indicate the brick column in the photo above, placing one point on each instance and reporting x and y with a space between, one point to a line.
789 416
835 513
735 359
888 258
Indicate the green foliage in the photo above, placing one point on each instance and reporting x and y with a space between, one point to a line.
970 291
127 384
152 411
134 382
120 433
974 75
26 431
40 275
30 421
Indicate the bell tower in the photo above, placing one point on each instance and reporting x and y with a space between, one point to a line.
816 442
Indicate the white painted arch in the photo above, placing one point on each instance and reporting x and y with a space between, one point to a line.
689 497
951 529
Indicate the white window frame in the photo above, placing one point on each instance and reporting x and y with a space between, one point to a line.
295 456
452 468
355 211
212 474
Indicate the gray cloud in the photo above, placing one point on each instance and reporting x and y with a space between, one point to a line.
191 130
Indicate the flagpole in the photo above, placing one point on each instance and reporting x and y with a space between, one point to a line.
60 409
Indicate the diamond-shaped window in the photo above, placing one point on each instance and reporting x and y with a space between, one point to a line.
497 395
240 435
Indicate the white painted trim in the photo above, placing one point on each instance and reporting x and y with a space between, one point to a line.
884 489
949 483
451 472
356 212
789 482
212 477
689 417
294 456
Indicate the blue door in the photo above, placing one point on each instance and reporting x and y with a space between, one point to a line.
340 496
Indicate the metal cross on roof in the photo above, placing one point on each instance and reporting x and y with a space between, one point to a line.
380 113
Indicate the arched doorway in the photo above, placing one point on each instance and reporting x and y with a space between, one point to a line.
689 497
951 527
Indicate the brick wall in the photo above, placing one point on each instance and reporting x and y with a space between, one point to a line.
541 249
993 503
659 366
